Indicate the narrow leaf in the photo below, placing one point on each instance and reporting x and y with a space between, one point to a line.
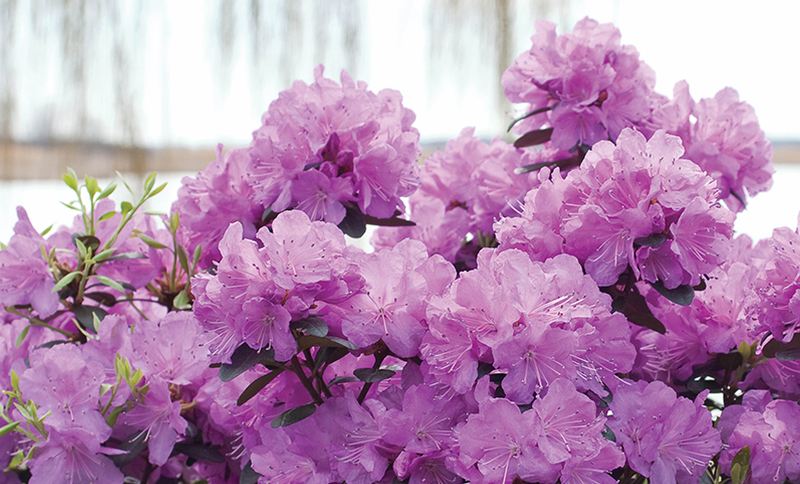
370 375
8 428
354 224
293 415
127 255
248 475
682 295
532 113
22 335
150 241
388 222
107 216
740 466
635 308
66 280
257 385
106 281
158 190
342 379
312 325
149 182
107 191
533 138
242 360
652 240
201 452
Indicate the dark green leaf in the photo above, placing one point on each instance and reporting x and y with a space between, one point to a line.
533 138
312 325
701 286
202 452
89 241
532 113
85 316
309 341
242 360
329 354
707 478
50 344
635 308
740 466
103 298
370 375
682 294
107 281
388 222
183 258
134 446
562 163
293 415
354 224
776 346
248 475
484 369
343 379
257 385
652 240
788 355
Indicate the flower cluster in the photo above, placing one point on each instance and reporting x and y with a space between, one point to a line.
571 314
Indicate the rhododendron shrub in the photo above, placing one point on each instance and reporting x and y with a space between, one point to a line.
578 312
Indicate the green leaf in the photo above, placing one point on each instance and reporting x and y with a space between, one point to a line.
22 335
107 191
388 222
183 259
71 181
158 190
149 183
634 306
343 379
150 241
125 208
198 251
106 281
66 280
181 301
174 222
113 415
776 346
257 385
740 466
128 256
682 295
293 415
91 186
88 241
107 216
370 375
70 206
533 138
47 230
202 452
242 360
354 224
8 428
788 355
608 434
312 325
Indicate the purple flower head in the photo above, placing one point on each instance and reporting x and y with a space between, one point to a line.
774 439
215 198
159 418
725 140
778 286
344 132
74 457
25 277
588 86
665 437
499 443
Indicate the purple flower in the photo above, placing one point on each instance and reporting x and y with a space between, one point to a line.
159 418
25 277
499 443
588 86
665 437
74 457
353 136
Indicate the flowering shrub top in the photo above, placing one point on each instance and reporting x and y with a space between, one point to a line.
580 312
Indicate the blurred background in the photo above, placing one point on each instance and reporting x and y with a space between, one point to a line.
135 86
